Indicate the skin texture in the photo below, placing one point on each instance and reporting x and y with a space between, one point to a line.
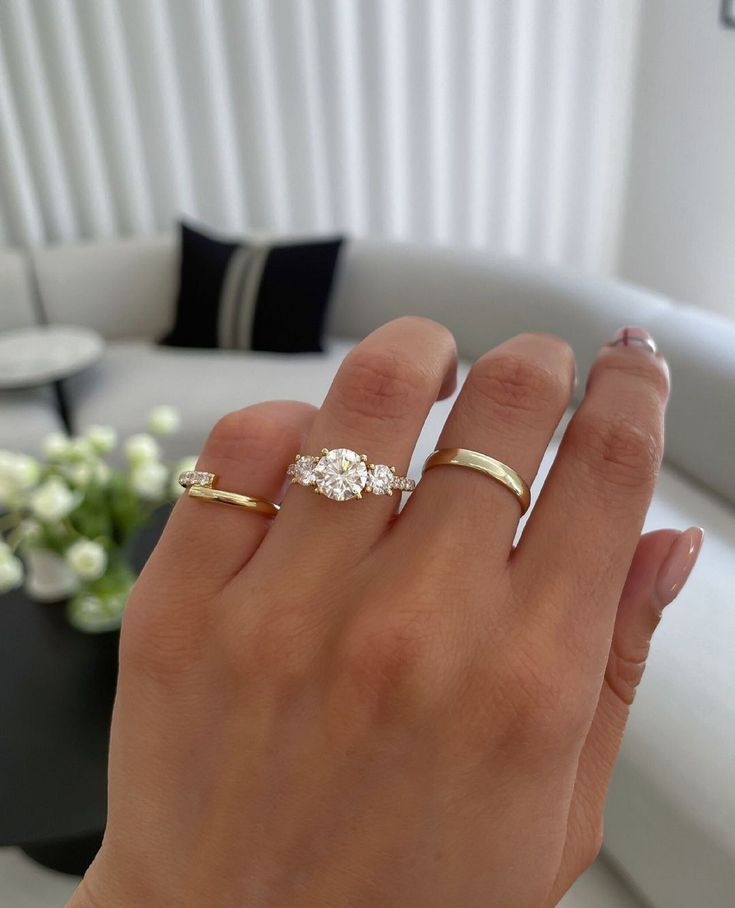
345 707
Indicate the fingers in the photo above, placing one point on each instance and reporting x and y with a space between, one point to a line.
660 568
376 406
249 451
508 408
581 536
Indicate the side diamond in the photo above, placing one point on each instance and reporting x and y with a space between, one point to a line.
381 480
303 470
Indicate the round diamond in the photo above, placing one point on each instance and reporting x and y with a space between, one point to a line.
341 474
381 479
303 471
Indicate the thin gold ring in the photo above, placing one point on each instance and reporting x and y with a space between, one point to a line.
199 484
489 466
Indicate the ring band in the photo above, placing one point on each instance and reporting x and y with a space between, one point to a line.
489 466
341 474
199 484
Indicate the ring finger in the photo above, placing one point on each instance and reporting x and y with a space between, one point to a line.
508 408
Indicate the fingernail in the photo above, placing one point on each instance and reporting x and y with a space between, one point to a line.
634 337
678 565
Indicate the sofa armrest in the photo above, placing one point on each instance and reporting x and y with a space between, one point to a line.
122 288
484 299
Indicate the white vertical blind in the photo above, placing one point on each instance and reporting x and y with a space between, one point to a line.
497 123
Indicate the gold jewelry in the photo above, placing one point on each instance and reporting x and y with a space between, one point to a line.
461 457
199 485
341 474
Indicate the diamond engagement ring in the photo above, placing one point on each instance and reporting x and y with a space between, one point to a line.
341 474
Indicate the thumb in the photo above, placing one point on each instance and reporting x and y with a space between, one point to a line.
661 565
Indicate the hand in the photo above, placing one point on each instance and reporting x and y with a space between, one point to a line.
352 708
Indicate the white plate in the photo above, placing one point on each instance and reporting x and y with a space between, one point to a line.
35 356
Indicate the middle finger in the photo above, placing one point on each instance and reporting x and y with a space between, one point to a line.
377 405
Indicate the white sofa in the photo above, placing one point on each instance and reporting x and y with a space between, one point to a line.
670 822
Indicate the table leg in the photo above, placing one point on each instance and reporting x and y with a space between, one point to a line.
61 405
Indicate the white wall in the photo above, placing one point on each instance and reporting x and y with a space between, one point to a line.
496 123
679 225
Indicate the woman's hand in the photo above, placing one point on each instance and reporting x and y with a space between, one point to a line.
349 708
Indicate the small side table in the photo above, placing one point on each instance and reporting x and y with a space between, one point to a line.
46 354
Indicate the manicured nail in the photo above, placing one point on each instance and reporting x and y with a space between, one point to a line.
678 565
634 337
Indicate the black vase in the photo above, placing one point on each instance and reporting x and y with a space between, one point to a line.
57 687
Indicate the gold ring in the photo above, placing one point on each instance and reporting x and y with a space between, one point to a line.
199 484
489 466
341 474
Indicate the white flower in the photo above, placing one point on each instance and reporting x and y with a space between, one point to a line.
18 471
56 446
149 480
9 494
49 577
7 459
53 500
141 449
102 438
28 530
27 471
80 448
183 466
101 472
164 420
11 572
79 473
87 559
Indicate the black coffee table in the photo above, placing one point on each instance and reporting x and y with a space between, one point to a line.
56 691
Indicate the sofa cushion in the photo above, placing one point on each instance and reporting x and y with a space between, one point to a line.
17 305
122 288
252 294
134 376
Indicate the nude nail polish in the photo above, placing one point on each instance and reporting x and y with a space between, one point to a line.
634 337
678 565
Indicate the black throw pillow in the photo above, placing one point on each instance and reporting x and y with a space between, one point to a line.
253 295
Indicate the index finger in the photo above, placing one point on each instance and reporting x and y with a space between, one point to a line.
581 536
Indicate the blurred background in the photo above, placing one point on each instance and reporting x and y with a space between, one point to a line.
596 134
500 165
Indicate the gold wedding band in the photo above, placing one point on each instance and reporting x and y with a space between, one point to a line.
199 484
489 466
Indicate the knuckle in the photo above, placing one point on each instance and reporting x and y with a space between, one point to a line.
384 666
252 425
617 451
623 674
536 704
276 652
516 385
381 384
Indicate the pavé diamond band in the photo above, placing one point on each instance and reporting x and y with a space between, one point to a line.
341 474
199 484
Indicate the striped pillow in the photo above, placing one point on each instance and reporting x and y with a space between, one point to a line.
253 295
